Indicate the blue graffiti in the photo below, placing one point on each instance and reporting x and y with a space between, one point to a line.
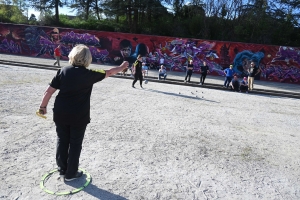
242 60
31 43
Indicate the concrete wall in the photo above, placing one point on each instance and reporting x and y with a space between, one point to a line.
277 63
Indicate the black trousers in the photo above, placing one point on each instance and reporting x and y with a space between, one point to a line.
136 77
227 81
244 88
68 149
202 77
188 75
236 88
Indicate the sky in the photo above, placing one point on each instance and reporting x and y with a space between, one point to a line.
67 11
63 10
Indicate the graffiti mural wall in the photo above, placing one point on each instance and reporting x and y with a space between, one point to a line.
277 63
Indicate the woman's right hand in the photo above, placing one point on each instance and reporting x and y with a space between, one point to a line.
125 64
43 110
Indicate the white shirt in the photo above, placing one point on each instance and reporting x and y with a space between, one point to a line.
162 71
161 61
144 67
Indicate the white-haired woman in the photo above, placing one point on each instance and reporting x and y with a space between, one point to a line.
71 112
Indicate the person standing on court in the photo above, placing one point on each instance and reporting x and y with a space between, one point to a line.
189 71
71 112
253 71
144 69
203 71
137 71
57 55
229 72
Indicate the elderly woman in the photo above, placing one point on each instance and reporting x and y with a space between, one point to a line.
71 112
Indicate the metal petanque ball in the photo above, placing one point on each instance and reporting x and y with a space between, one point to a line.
146 81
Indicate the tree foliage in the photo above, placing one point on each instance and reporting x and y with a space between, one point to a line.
11 13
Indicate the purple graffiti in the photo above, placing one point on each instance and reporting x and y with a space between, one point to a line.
100 55
180 51
32 39
46 46
76 38
283 73
286 54
68 41
9 47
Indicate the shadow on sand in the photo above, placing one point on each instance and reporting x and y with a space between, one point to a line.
94 191
198 96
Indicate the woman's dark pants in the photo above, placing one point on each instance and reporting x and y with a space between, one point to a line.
68 149
188 76
136 77
202 77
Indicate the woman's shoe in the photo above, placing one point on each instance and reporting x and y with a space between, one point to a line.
77 175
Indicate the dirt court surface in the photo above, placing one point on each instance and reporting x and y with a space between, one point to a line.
162 142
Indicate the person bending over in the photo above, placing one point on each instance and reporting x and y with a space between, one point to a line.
244 85
235 84
162 72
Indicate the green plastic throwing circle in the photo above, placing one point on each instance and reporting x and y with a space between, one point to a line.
46 176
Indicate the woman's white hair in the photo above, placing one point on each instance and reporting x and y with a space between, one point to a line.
80 56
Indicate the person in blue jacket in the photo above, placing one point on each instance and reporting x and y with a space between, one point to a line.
229 72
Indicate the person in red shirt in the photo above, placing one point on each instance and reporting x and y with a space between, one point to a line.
57 55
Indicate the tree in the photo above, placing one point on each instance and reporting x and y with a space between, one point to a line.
44 5
136 15
32 19
11 14
82 7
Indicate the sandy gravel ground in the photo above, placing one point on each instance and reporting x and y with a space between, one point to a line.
163 142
